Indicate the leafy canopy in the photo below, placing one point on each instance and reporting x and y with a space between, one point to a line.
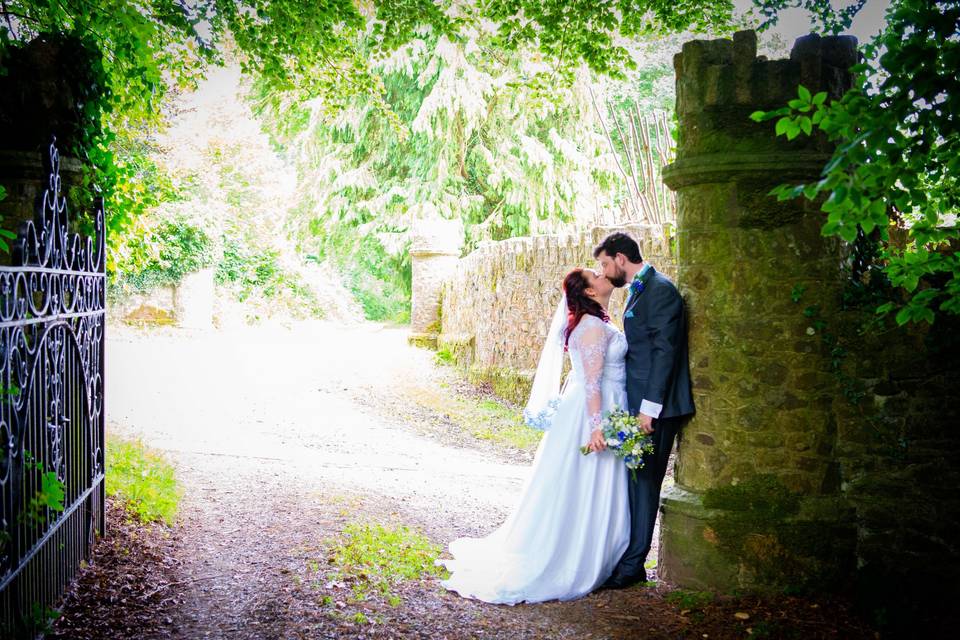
822 12
143 48
570 31
136 51
895 174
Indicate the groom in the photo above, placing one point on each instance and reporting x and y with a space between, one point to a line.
658 385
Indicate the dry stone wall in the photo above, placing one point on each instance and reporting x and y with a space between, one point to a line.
496 307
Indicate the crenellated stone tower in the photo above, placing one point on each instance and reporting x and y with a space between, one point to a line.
757 502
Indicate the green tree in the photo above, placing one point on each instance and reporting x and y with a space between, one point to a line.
141 49
894 179
135 53
567 32
475 144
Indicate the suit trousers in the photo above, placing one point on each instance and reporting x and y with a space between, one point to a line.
644 497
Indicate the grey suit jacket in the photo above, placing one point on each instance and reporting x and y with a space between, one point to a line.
658 370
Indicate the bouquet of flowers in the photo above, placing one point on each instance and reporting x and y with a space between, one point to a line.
625 439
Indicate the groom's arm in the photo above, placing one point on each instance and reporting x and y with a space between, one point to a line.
664 325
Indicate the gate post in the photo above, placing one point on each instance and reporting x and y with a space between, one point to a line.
43 84
434 252
757 501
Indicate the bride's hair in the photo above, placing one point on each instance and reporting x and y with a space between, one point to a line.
578 303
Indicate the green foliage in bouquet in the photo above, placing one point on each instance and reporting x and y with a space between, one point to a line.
625 439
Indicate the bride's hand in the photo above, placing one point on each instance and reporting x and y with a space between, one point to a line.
596 441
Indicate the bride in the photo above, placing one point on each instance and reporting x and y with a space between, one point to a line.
572 522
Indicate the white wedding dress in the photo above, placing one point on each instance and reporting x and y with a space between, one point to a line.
572 521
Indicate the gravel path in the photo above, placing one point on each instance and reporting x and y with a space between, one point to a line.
269 405
276 446
283 435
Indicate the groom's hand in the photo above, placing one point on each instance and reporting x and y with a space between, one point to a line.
645 422
596 441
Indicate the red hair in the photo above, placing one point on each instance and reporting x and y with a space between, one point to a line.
578 303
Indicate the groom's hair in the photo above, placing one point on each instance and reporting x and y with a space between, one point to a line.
619 242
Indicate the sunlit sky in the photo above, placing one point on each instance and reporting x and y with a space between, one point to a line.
794 23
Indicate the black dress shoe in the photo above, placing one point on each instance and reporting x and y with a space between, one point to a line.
622 582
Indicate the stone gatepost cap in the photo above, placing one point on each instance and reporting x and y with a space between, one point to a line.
436 236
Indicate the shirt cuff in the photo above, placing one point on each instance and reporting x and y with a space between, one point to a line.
651 409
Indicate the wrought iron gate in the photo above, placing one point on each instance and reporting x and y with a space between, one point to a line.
52 320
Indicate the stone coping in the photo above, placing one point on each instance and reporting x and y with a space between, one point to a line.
563 238
722 167
423 252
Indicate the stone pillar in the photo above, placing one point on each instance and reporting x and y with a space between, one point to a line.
434 252
757 503
24 176
193 300
42 92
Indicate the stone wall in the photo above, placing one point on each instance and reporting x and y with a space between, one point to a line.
434 253
188 304
897 407
496 307
40 90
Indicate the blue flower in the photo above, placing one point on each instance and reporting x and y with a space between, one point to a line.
543 419
621 436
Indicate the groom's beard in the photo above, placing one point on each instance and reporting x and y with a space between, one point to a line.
619 280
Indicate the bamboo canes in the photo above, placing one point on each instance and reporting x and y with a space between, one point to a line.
647 147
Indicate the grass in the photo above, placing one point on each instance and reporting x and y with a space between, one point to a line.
492 420
143 479
444 356
484 419
374 559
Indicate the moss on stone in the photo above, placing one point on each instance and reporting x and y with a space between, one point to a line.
423 340
150 315
764 497
758 524
510 385
460 348
434 327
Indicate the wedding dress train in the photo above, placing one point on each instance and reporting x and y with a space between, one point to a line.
571 523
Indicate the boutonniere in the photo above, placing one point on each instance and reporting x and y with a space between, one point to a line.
636 287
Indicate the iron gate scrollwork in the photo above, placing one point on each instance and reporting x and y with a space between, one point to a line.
52 321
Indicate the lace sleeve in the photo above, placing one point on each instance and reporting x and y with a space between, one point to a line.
589 344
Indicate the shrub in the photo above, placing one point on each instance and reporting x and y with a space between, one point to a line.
165 254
